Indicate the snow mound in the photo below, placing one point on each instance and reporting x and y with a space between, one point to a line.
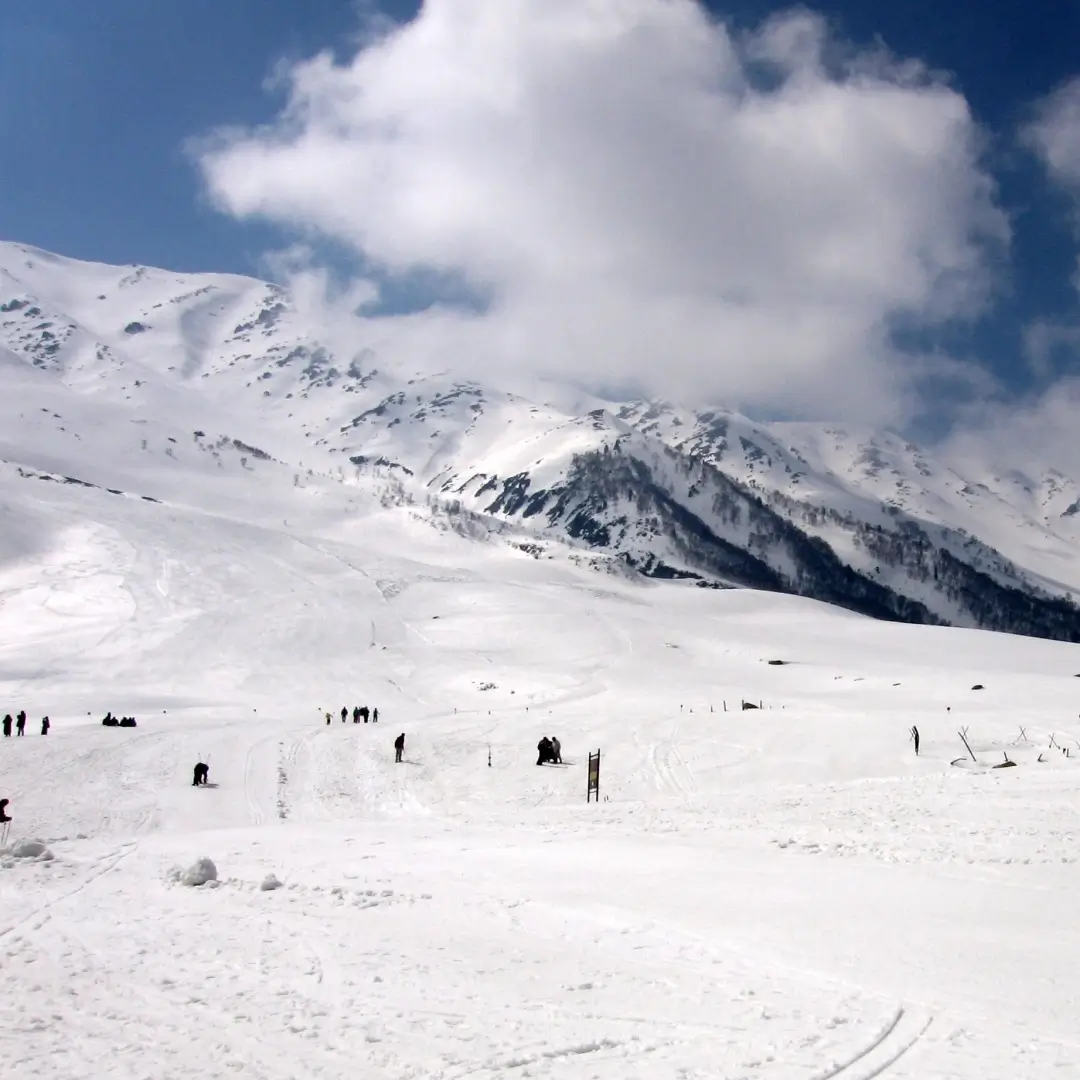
270 882
199 872
31 849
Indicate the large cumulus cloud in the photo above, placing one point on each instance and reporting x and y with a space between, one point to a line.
641 195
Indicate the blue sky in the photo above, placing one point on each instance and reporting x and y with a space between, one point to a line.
97 101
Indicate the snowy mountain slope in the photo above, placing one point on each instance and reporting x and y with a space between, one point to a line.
863 520
785 893
777 893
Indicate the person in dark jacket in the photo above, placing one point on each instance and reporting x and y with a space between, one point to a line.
374 716
556 750
5 821
202 774
364 713
7 726
543 751
399 746
344 713
45 725
356 714
20 723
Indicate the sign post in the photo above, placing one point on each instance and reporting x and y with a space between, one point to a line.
594 777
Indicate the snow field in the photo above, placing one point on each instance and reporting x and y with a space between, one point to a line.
777 893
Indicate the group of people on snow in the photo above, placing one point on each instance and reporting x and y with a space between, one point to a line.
18 724
549 751
118 721
360 712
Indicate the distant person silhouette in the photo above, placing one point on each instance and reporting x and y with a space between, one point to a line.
45 725
544 751
344 714
399 746
7 726
20 724
202 774
374 716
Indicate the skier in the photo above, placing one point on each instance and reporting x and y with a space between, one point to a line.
399 747
556 750
45 725
374 716
202 774
20 724
5 822
344 714
7 726
543 751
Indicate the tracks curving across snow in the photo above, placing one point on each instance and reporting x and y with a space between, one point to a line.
896 1039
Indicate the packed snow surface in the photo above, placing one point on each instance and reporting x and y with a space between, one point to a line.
778 893
783 892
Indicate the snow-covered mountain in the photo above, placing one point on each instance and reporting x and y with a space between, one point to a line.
228 378
229 523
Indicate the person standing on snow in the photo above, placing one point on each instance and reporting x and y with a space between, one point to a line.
399 747
5 822
543 751
327 719
20 724
7 726
344 714
556 750
202 774
374 716
45 725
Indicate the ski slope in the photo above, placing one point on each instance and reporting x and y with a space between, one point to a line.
784 893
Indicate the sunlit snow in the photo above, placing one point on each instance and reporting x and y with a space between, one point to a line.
784 892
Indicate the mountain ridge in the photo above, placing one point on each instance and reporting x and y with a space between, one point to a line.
234 378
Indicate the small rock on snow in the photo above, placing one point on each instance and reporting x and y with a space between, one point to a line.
199 872
31 849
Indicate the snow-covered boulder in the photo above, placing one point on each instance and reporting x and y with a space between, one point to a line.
199 872
269 883
31 849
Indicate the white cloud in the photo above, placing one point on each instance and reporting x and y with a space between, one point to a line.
642 194
1055 134
1029 435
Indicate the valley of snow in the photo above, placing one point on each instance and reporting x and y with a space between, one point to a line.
784 893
